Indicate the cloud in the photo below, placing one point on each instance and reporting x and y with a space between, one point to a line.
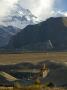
6 6
40 8
59 13
43 9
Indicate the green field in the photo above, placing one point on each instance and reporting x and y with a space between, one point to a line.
32 57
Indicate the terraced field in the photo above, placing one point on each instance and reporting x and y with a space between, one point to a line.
11 88
7 76
35 58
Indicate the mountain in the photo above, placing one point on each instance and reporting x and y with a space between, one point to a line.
20 18
6 33
47 35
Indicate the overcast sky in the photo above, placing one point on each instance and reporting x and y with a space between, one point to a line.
41 8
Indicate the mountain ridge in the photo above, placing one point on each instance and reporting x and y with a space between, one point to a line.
47 35
20 18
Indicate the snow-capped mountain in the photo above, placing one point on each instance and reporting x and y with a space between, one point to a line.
20 17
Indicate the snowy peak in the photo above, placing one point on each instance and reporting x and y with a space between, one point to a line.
20 17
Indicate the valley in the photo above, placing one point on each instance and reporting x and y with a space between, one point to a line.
33 45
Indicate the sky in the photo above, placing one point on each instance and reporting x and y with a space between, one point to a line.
42 9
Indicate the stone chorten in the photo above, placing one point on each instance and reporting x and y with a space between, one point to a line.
44 71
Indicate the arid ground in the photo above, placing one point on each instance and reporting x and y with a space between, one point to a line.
32 57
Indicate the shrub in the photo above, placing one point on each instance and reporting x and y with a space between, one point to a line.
49 84
37 82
